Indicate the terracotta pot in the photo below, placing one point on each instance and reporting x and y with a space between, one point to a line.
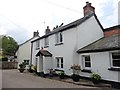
61 76
95 81
21 70
75 77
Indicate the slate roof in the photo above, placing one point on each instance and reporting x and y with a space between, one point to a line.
71 25
103 44
44 53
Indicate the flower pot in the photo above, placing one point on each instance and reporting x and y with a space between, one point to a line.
95 81
75 77
61 76
31 71
21 70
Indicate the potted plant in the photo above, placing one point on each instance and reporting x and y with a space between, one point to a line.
95 78
22 67
61 75
30 69
75 77
76 70
51 72
34 68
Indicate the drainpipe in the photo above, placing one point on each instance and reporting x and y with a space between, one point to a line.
31 54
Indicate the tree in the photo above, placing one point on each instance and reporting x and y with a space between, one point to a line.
9 45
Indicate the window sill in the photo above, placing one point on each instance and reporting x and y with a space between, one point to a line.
114 69
87 71
58 44
59 70
46 46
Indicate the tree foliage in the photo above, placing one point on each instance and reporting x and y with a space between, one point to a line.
9 45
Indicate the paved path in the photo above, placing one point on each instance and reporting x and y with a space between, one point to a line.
14 79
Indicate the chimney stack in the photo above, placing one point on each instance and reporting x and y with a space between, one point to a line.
47 31
88 9
36 34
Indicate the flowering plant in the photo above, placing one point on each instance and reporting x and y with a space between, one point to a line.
76 67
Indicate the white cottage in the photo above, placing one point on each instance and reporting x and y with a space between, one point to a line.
24 51
103 56
57 49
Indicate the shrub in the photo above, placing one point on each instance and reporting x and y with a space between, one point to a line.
95 76
22 65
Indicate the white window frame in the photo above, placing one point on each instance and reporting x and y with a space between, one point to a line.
60 63
46 41
37 44
58 37
113 59
83 60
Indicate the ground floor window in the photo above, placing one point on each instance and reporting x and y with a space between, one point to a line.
59 62
116 59
86 62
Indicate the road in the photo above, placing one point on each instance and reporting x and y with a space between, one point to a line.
15 79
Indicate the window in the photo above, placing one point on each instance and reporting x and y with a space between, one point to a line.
37 44
116 59
59 62
46 41
86 62
26 62
59 38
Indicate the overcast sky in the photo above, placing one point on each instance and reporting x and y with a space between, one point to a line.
20 18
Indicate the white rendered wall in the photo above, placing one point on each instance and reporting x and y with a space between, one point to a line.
73 39
100 62
24 52
88 32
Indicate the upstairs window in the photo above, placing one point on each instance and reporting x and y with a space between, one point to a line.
59 37
46 40
37 44
116 59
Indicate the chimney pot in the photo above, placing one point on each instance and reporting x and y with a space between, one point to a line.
47 31
36 34
88 9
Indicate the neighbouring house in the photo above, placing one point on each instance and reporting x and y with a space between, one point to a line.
82 42
103 56
24 51
57 49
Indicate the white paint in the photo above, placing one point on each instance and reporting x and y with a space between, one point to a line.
73 39
88 32
100 62
24 52
47 64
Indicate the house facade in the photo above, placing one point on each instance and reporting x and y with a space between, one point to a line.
57 49
82 42
24 51
103 56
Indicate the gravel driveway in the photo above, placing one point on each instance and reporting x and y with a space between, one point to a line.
14 79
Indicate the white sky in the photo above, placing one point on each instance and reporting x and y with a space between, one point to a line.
20 18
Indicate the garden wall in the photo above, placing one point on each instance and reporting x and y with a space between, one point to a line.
8 65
